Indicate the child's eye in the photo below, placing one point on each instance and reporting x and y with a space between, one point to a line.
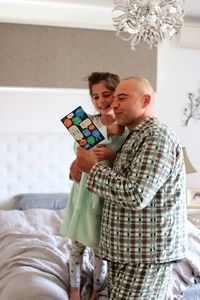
107 95
95 98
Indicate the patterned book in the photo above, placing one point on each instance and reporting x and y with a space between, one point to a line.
82 128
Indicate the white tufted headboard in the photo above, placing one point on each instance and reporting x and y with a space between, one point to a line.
33 162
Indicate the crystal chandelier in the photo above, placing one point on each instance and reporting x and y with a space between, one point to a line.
149 21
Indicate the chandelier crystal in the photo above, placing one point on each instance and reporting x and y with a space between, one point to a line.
149 21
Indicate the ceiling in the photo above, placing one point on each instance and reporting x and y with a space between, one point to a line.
94 14
192 7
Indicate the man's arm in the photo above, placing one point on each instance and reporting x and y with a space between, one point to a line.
75 172
136 184
86 159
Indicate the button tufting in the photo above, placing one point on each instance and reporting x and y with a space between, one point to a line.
31 162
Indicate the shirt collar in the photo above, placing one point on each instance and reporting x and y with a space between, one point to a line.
144 124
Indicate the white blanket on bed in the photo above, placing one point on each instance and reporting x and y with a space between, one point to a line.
187 273
33 259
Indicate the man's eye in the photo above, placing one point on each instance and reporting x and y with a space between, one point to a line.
95 98
121 98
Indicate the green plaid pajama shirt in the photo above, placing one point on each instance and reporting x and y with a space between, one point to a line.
144 214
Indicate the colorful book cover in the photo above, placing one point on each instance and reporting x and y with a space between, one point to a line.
82 128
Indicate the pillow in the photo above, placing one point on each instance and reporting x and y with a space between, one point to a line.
41 200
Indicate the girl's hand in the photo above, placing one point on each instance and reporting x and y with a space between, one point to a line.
104 153
115 129
75 172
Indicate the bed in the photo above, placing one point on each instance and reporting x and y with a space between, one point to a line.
33 256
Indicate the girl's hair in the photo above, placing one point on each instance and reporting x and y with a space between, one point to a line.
111 80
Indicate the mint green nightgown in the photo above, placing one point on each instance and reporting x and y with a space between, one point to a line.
82 221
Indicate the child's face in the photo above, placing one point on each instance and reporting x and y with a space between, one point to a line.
102 98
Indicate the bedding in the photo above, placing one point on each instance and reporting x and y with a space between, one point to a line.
34 259
186 273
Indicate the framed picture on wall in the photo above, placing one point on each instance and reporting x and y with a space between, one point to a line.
193 198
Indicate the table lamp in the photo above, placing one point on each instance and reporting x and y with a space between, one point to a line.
188 166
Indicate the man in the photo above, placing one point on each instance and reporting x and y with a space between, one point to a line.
143 225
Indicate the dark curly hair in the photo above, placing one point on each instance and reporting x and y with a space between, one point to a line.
111 80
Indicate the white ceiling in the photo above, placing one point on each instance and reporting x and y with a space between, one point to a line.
95 14
192 7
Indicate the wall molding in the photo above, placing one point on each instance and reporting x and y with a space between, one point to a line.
36 90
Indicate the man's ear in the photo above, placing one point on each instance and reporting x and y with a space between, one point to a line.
146 100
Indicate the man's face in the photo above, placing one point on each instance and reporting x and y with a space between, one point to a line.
128 104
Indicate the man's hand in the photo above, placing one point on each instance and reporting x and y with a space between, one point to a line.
115 129
75 172
104 153
86 159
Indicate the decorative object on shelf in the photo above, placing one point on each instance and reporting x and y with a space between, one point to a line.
149 21
193 198
188 166
193 108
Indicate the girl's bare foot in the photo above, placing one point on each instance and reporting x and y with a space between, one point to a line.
93 295
74 293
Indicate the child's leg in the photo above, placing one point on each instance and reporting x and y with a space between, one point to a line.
100 271
75 265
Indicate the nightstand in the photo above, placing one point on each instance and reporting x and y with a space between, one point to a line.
194 216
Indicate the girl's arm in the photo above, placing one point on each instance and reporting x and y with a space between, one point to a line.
115 129
104 153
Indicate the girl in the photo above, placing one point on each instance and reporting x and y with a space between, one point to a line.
82 223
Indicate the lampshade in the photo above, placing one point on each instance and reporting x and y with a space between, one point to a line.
188 166
149 21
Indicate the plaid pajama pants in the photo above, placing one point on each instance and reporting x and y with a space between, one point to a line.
138 282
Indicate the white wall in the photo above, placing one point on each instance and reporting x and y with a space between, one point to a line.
39 110
178 74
